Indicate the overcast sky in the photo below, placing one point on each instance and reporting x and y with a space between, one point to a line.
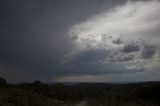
80 40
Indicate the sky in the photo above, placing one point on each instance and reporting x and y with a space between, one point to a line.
80 40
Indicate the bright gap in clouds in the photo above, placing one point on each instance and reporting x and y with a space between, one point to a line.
129 34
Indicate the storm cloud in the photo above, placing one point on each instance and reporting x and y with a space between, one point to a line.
148 51
69 40
132 47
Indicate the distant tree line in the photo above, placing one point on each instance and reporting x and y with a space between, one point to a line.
96 94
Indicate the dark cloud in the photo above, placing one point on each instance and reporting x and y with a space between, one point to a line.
122 58
99 61
34 42
118 41
33 33
87 62
94 68
148 51
131 47
92 55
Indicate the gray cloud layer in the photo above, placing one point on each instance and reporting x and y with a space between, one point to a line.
49 40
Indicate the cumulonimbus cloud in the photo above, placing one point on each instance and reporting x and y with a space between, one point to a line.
125 34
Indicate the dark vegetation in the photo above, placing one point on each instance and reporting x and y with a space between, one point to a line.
97 94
